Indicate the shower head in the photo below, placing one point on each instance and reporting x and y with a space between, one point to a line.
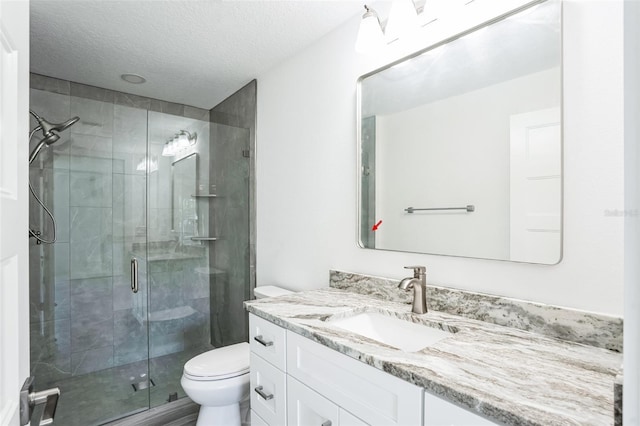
49 132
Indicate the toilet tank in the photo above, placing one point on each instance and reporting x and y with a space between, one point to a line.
270 291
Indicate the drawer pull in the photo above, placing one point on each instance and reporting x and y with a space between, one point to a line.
327 423
263 342
265 396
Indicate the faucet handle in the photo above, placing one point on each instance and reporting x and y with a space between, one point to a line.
417 270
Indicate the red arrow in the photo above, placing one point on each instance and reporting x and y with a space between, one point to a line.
375 227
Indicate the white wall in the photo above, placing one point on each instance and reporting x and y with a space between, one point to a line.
414 167
306 172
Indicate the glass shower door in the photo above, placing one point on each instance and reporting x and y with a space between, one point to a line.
88 329
198 262
130 252
180 243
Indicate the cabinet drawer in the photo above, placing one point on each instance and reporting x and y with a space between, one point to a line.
438 412
268 391
308 408
267 340
256 420
348 419
370 394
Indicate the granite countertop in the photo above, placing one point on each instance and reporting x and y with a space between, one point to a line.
508 375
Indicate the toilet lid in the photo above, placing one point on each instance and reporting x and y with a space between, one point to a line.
220 363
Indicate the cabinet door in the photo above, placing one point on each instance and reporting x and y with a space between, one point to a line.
268 392
306 407
348 419
256 420
438 412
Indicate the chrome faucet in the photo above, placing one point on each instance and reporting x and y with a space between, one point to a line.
419 285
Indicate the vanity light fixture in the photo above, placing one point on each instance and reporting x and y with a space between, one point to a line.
169 148
180 141
370 35
150 162
403 20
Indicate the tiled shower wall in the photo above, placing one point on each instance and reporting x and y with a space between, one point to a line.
82 311
232 165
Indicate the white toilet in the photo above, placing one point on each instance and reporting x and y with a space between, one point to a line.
218 380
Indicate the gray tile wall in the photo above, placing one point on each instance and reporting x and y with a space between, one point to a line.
233 129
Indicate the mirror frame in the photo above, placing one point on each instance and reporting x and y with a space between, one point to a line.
436 45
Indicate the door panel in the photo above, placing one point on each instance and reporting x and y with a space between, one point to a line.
14 278
88 328
536 187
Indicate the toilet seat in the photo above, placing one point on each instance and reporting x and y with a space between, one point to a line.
219 364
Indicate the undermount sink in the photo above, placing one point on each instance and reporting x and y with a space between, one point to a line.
404 335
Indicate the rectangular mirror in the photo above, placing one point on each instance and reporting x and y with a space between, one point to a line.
460 145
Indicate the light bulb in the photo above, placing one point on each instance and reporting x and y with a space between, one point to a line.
183 141
166 150
370 36
403 19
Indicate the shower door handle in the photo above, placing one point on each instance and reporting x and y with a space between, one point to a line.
30 399
134 274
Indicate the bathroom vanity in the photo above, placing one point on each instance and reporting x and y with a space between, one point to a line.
313 361
312 384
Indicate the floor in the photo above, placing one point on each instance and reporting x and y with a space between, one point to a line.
107 395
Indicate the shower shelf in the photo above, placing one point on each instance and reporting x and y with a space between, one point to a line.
204 238
204 195
171 314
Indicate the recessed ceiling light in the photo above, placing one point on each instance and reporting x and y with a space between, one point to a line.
133 78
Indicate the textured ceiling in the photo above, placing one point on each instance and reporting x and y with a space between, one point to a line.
191 52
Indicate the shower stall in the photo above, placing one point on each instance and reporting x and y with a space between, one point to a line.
153 205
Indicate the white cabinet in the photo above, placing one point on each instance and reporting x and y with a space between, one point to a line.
256 420
371 394
305 407
297 382
268 391
308 408
348 419
438 412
